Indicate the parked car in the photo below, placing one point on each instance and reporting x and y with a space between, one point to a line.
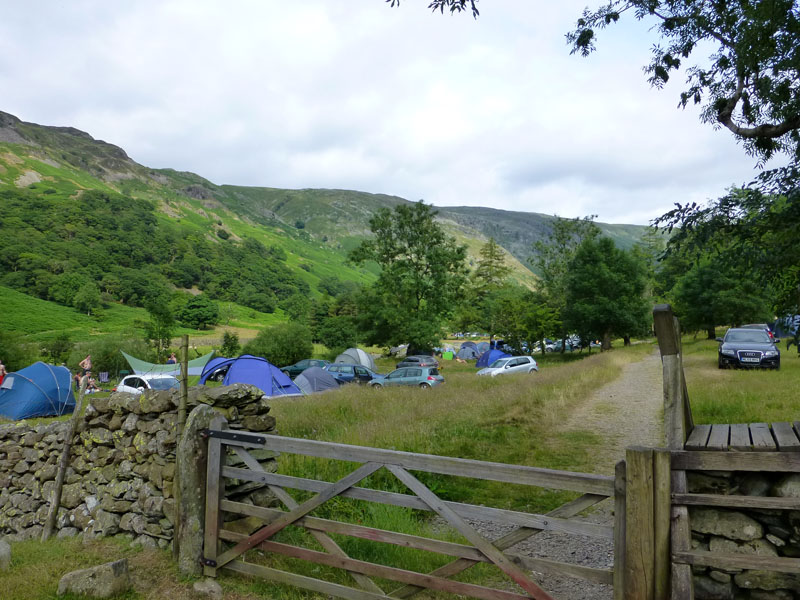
136 384
513 364
750 348
301 365
424 377
344 373
763 326
418 360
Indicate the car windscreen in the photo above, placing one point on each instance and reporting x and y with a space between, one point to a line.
164 383
751 336
500 362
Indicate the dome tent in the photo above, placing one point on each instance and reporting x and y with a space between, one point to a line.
467 353
483 347
255 370
40 390
314 380
356 356
488 357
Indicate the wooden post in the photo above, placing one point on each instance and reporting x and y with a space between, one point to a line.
639 525
677 414
176 485
63 463
662 505
619 530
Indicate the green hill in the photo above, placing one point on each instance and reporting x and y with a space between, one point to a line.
79 214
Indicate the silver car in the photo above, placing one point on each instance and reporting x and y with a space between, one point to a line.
136 384
513 364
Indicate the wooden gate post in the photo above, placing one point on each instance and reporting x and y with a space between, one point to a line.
619 530
639 525
662 506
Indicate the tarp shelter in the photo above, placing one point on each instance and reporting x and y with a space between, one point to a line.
467 353
142 367
40 390
314 380
256 371
786 327
488 357
356 356
483 347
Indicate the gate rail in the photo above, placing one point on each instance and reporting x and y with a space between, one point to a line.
225 549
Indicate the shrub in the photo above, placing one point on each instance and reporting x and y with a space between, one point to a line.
230 344
282 344
199 312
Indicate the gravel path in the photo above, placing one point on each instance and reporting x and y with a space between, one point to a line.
625 412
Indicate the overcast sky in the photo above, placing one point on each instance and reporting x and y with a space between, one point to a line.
356 95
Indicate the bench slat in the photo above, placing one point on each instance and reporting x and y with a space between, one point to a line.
740 438
785 437
762 437
718 440
698 437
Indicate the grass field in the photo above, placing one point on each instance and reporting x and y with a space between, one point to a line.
739 396
514 419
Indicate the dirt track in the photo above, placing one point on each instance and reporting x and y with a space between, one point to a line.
625 412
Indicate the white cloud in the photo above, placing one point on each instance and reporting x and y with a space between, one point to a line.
356 95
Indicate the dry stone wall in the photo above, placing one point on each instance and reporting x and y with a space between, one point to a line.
122 467
770 533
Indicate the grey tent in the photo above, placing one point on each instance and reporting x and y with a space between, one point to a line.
468 353
314 380
469 345
356 356
483 347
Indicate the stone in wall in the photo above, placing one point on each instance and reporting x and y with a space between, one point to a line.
758 532
122 467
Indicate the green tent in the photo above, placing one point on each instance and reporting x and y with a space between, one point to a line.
142 367
447 355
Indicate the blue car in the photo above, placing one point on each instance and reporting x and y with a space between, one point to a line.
349 373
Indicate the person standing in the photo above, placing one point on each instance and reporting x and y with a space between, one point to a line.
172 359
86 364
3 372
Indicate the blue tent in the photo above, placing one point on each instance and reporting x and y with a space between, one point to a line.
39 390
254 370
489 357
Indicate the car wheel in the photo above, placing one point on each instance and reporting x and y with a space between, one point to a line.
424 385
376 386
720 365
533 371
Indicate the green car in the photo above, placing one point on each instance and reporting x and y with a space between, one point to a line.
424 377
300 366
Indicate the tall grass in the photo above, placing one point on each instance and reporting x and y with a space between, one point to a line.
739 396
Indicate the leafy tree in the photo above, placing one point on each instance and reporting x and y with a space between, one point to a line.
230 344
57 350
748 81
605 290
422 273
199 312
282 344
519 316
159 329
297 307
713 293
16 354
87 298
338 333
553 257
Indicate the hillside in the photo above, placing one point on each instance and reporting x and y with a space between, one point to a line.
68 198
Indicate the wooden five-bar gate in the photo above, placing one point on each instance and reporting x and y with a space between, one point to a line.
225 549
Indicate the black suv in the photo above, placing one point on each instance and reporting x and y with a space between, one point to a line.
750 348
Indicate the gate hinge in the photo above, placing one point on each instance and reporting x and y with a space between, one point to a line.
208 562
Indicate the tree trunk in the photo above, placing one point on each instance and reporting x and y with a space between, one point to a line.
606 344
563 343
626 340
712 333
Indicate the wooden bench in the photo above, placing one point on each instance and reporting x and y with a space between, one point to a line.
743 437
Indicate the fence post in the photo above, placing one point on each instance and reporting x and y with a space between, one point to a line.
619 530
662 502
639 525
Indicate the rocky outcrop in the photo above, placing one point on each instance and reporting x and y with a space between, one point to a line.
120 476
102 581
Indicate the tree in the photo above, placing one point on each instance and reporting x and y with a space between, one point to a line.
713 293
605 290
748 82
87 298
519 316
338 333
422 273
492 268
230 344
57 350
159 329
199 312
297 307
282 344
553 256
